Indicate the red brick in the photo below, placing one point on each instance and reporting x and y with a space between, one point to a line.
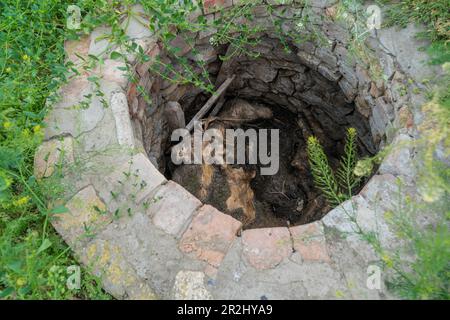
75 48
266 248
209 235
309 241
172 208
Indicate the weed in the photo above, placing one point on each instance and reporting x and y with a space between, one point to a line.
31 69
433 14
337 187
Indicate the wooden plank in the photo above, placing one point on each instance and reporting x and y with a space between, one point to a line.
208 105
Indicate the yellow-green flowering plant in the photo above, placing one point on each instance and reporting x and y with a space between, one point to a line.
338 186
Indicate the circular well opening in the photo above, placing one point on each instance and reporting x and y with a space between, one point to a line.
272 89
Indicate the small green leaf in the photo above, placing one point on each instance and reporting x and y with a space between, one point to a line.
23 291
15 266
6 292
93 57
44 246
59 210
115 55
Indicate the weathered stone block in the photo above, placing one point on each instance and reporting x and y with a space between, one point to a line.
75 48
377 185
305 46
308 59
343 55
189 285
206 54
259 85
309 241
52 153
99 45
210 235
322 3
260 11
385 109
210 6
174 115
382 113
362 106
375 91
129 183
335 31
349 74
286 13
405 118
96 139
181 45
377 130
124 130
109 262
340 218
266 248
348 89
330 74
400 43
197 12
137 26
311 97
152 254
400 159
279 2
68 116
210 31
86 216
370 217
283 85
363 76
111 72
326 56
263 71
172 208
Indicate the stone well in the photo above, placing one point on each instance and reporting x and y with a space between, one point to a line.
147 237
304 95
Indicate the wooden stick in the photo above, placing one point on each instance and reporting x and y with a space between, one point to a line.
225 68
218 106
230 119
210 103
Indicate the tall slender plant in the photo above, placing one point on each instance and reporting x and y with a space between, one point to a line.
337 187
346 173
322 173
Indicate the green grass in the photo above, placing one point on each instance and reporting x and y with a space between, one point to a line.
338 186
428 276
32 38
434 15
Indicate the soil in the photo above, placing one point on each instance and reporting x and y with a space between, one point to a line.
288 197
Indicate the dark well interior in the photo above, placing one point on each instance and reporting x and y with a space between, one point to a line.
302 103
